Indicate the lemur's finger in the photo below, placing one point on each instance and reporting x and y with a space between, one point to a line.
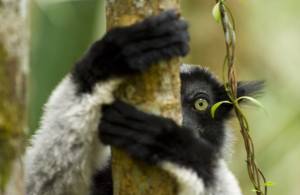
130 126
142 151
132 114
172 27
139 120
121 109
139 48
127 111
126 133
135 150
155 21
145 125
152 57
113 140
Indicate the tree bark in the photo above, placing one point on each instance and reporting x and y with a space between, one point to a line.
157 91
13 60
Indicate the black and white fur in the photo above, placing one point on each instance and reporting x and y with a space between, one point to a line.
67 157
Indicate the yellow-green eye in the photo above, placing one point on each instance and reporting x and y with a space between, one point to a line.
201 104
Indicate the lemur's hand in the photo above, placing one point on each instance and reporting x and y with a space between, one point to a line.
151 138
135 48
132 49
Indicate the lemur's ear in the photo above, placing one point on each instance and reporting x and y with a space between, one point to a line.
250 88
244 88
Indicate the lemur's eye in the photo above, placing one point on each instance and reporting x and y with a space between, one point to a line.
201 104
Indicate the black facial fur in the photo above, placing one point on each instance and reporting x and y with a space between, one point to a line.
199 83
132 49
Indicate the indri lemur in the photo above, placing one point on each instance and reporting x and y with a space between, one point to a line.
70 153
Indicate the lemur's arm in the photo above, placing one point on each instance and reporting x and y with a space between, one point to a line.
66 151
160 141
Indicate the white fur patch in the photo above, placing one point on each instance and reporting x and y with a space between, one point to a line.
226 183
188 181
188 68
66 151
190 184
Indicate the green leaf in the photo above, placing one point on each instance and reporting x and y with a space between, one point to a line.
216 106
216 13
254 190
252 100
269 184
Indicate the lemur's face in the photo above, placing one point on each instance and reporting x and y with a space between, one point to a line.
199 92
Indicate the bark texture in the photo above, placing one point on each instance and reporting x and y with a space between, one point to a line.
13 60
157 91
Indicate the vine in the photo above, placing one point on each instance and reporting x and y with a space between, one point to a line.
223 15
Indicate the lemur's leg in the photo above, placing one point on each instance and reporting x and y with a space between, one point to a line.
66 151
160 141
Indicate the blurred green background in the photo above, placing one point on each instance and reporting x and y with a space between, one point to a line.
268 35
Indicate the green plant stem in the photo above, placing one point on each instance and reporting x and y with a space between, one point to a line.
229 77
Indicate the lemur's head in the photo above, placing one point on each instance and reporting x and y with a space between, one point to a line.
200 90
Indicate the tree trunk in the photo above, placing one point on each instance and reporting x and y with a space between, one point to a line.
157 91
13 61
